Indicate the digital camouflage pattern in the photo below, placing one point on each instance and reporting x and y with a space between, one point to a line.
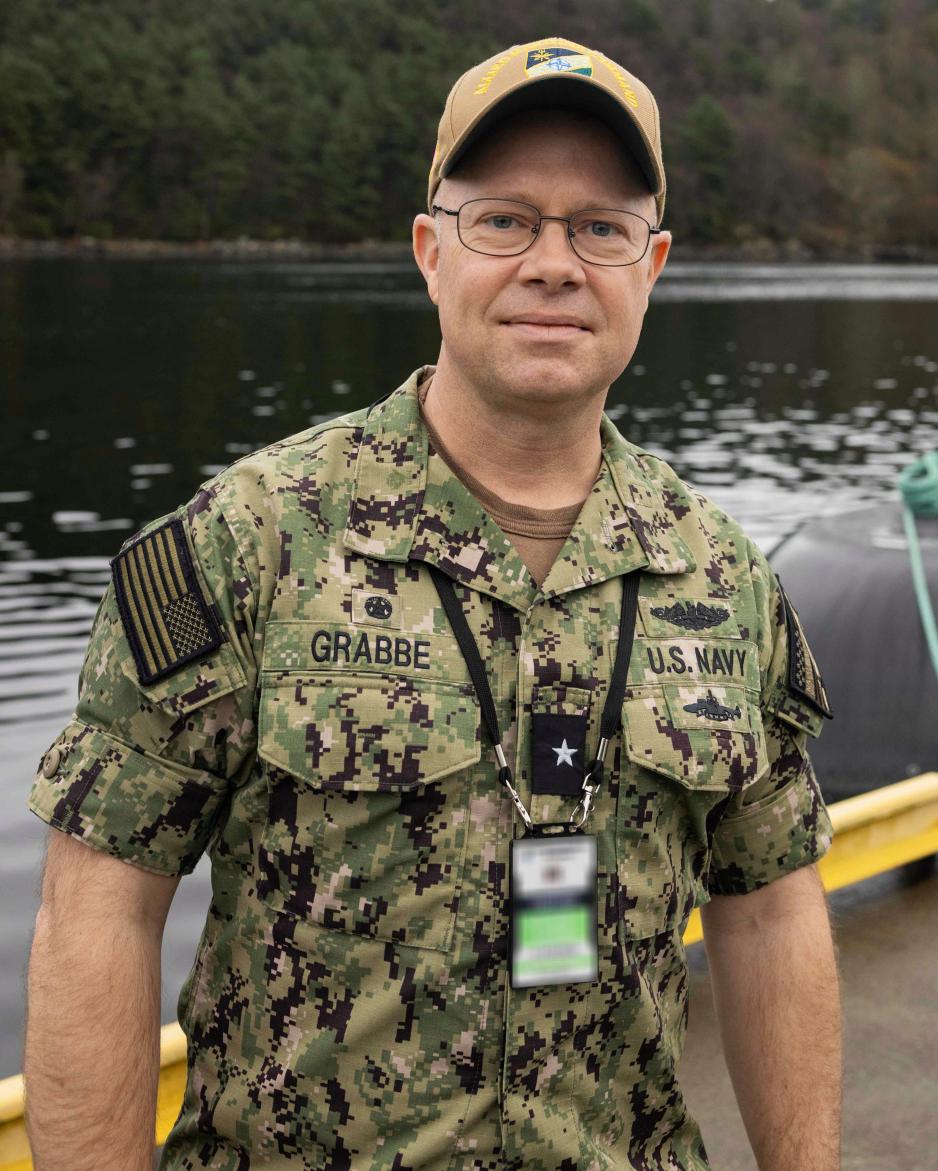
349 1004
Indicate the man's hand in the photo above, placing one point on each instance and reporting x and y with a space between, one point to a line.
775 988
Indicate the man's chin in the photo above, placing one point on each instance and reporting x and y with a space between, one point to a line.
552 379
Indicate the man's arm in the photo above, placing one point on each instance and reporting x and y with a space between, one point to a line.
91 1061
773 969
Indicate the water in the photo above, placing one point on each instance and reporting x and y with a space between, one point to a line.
781 392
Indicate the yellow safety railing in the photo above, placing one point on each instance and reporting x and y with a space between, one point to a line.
873 833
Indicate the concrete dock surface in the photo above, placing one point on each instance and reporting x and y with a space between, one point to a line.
886 930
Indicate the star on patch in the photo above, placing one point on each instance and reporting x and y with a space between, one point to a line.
558 747
564 754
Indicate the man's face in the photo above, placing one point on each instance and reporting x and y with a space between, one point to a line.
560 163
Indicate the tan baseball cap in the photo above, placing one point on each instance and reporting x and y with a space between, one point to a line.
551 72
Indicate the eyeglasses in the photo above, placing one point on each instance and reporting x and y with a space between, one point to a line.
507 227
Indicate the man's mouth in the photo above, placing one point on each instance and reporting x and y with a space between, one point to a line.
545 328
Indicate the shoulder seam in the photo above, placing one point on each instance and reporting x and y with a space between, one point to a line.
337 424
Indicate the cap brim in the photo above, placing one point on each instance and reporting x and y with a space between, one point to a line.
571 92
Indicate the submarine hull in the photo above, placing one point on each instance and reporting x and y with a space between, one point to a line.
849 578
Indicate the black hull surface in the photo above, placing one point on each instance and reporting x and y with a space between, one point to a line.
849 578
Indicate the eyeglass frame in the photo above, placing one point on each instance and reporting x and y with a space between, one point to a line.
535 231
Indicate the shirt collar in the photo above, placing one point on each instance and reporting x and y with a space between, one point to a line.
407 504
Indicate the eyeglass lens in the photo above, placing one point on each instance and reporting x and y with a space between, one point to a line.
504 227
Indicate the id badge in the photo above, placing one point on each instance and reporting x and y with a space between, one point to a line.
553 919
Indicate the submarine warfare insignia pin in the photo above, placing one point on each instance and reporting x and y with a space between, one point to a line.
710 708
691 615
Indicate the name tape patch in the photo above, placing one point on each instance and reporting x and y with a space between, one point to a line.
167 620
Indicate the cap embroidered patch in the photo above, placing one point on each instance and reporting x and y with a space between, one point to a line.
167 620
804 679
557 59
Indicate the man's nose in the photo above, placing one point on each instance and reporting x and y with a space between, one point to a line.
551 256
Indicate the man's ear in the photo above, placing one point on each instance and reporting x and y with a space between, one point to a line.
660 247
427 252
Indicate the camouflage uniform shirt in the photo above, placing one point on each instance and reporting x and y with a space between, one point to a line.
273 680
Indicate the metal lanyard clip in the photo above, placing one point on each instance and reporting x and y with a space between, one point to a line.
504 775
590 787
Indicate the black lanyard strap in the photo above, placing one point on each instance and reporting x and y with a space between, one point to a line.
612 709
470 652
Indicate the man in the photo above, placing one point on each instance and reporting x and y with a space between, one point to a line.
470 701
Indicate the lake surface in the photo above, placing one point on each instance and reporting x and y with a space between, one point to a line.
782 392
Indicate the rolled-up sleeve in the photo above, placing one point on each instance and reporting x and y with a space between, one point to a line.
780 822
143 772
782 825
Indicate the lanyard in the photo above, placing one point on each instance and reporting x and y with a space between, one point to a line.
612 710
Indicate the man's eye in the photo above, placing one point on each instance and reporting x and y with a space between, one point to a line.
602 228
502 222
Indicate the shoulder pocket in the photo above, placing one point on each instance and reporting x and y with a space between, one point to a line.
167 615
368 815
797 712
193 685
179 654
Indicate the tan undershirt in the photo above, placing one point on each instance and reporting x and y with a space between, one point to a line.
537 533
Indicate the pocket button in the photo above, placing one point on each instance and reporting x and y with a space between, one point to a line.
51 762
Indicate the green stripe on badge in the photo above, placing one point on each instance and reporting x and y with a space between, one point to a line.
538 967
552 926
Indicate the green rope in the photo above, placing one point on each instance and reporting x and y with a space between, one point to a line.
918 484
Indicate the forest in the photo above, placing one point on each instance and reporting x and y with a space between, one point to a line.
811 124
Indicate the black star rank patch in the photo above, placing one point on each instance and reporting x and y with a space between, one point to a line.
559 747
804 679
166 617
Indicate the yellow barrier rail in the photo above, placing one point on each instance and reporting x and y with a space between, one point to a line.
873 833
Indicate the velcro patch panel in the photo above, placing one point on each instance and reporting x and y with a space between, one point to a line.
166 617
804 679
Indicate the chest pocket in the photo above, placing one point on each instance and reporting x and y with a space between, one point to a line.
686 750
368 824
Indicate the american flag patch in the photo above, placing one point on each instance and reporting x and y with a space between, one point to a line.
804 678
166 618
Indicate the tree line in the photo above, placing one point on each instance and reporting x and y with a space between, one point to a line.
782 120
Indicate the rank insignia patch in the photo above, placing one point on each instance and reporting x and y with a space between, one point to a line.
804 679
378 607
558 748
557 59
166 618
